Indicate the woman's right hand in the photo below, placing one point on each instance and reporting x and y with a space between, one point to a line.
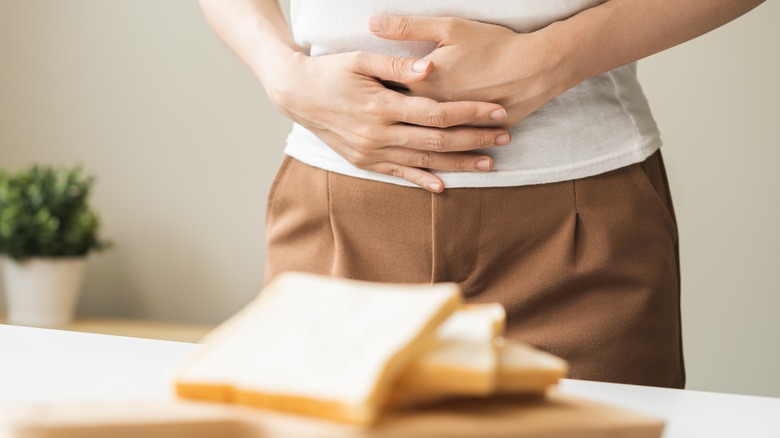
342 100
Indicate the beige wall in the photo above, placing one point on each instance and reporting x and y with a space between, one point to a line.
715 99
185 143
179 134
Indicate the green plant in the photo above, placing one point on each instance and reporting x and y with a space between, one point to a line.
44 213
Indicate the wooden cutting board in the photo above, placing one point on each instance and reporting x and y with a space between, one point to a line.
557 416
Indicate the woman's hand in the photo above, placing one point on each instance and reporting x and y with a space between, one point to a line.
481 62
340 99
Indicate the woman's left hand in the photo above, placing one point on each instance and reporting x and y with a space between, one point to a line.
475 61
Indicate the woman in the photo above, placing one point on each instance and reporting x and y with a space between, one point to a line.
529 113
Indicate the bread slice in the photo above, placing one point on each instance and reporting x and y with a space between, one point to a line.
523 369
319 346
461 361
495 312
464 361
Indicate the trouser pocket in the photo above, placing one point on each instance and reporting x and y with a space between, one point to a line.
650 178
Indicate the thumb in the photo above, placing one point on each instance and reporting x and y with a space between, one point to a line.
407 28
393 68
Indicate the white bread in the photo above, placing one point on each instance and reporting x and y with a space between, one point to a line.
462 359
461 364
495 312
320 346
523 369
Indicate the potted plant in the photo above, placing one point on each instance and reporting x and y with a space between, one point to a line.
47 230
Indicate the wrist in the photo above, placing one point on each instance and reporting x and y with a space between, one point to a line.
280 76
555 72
564 55
590 42
271 65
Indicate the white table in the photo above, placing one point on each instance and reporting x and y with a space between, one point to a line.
38 365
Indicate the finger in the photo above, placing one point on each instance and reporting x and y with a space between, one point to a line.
447 140
411 28
422 111
414 175
456 162
392 68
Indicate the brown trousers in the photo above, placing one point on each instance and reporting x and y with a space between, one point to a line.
587 269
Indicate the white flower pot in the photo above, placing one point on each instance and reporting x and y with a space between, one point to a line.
42 292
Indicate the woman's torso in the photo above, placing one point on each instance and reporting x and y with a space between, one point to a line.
601 124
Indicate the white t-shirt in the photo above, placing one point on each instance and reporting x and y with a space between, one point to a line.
600 125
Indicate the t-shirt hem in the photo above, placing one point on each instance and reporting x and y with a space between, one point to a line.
496 178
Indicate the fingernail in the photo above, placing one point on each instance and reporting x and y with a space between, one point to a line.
499 114
502 139
421 65
376 23
434 186
483 164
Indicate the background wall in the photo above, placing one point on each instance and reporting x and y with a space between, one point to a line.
185 145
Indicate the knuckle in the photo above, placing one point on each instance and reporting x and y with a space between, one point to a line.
436 142
367 138
382 105
398 172
373 108
439 119
421 159
395 64
358 59
463 162
403 26
452 25
364 147
467 113
483 140
358 158
361 160
473 114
